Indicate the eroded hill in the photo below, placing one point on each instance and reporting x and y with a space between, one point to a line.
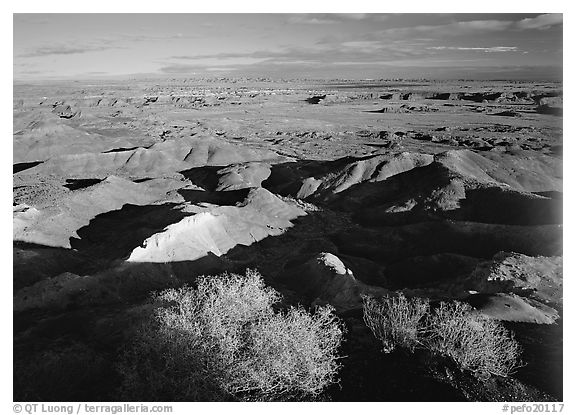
331 190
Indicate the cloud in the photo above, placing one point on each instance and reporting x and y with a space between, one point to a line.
477 49
310 19
363 45
484 25
359 16
142 37
118 41
453 29
65 50
223 55
334 18
321 54
470 27
542 22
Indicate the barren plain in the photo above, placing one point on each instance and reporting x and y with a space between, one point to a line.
331 189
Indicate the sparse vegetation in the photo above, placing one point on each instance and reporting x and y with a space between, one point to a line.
396 321
224 341
475 342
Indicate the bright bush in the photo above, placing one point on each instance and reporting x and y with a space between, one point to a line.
474 341
224 341
396 321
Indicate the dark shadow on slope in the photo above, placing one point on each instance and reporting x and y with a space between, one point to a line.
545 109
286 178
65 370
412 184
18 167
490 205
443 96
480 96
386 245
369 375
33 263
122 149
503 206
206 177
75 184
222 198
429 271
431 193
113 235
542 353
315 99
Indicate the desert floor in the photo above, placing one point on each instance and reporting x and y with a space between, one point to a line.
331 189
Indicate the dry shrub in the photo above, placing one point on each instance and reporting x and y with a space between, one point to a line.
290 354
224 341
474 341
396 321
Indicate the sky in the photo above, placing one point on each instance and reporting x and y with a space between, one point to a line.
351 46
